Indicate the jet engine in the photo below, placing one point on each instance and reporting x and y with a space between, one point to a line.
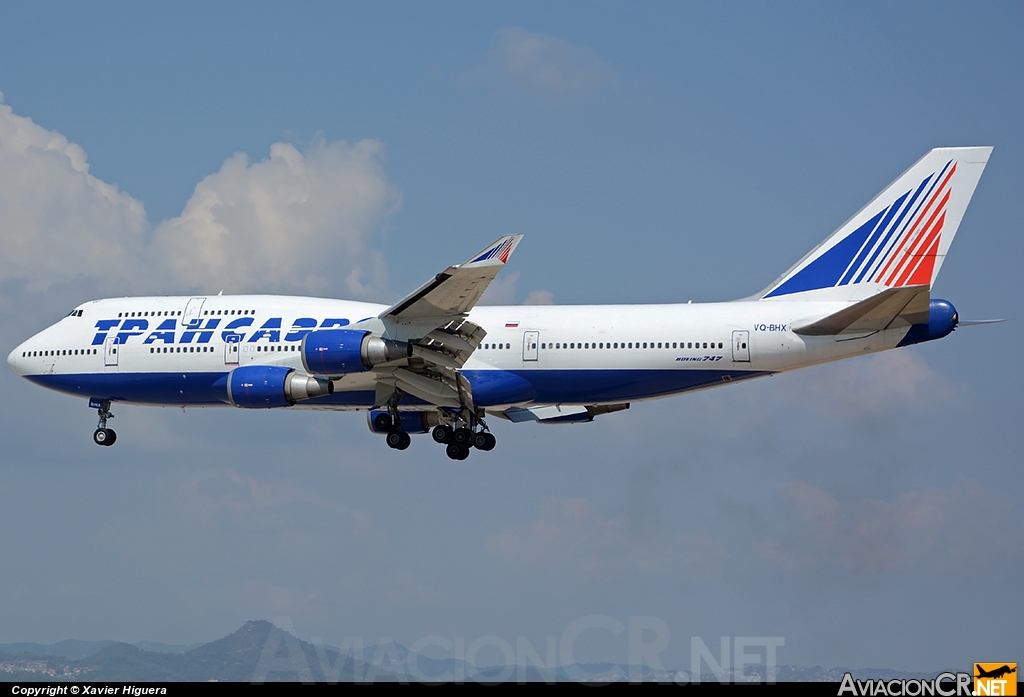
342 351
412 421
270 386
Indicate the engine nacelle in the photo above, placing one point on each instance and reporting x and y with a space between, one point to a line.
343 351
412 421
271 386
942 319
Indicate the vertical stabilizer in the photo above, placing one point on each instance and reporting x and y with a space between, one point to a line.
901 237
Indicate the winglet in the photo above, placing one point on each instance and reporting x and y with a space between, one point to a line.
495 254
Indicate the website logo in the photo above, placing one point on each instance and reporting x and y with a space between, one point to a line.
995 678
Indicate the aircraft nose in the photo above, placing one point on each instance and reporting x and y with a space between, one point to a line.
14 360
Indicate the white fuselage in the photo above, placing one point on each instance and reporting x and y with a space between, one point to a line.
172 350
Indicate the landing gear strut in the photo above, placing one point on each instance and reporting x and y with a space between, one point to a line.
466 431
392 423
103 435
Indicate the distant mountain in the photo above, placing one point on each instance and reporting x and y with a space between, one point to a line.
261 652
157 647
257 652
69 648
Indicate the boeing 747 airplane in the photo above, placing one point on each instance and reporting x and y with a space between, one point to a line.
437 363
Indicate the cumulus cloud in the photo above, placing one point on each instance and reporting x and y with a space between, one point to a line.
942 527
876 382
557 66
57 219
503 291
570 532
540 297
295 220
299 220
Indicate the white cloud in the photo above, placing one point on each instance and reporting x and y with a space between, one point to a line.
555 65
57 220
293 221
875 383
540 297
502 290
298 221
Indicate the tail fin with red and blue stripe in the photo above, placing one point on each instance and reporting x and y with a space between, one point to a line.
898 239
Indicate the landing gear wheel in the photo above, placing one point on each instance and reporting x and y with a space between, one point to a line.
456 451
484 441
442 434
463 437
104 436
382 422
399 440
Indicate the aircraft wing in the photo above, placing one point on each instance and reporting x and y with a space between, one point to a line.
433 320
451 294
890 308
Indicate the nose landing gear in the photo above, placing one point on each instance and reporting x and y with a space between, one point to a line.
103 435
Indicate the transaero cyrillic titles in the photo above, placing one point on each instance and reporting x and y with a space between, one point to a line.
236 331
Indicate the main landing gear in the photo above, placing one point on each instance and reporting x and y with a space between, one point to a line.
396 438
103 435
460 437
458 430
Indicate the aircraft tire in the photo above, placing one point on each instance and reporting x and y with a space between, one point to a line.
104 436
442 434
394 440
463 437
484 441
456 451
406 441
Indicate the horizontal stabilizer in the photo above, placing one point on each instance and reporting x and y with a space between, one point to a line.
893 307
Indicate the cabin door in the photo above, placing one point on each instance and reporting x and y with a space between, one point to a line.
531 340
110 347
741 346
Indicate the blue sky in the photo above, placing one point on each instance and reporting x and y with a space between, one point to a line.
651 153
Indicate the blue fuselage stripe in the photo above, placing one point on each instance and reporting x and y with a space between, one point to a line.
552 386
